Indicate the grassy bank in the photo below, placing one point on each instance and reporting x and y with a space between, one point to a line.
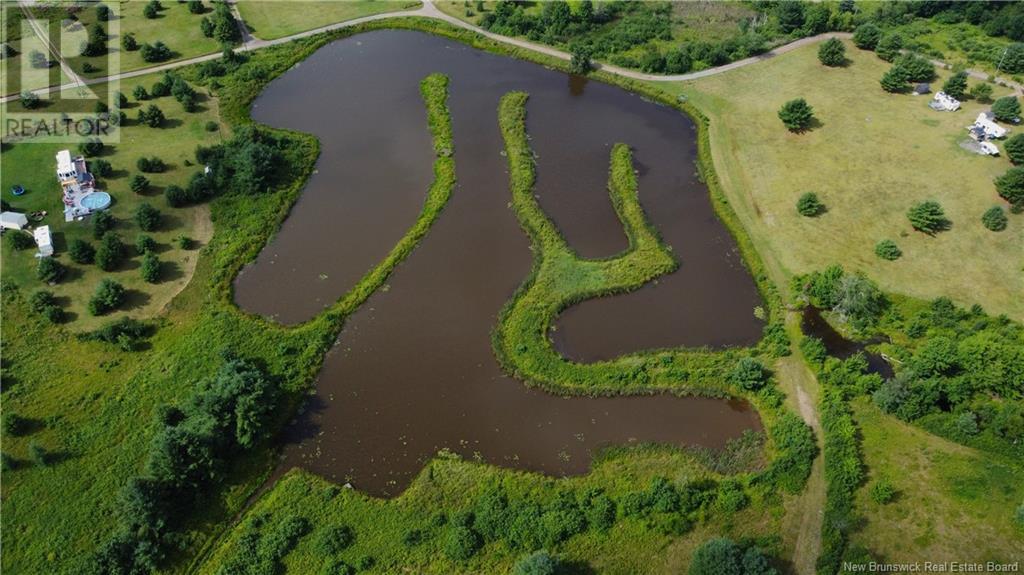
873 156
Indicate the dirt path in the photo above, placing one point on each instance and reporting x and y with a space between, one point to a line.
804 520
202 231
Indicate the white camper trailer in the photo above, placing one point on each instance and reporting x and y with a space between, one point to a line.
43 241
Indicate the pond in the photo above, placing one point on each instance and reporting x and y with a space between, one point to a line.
814 324
413 371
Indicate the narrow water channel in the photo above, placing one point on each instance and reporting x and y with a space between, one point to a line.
413 371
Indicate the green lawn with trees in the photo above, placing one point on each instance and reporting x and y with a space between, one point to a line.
174 25
872 159
32 166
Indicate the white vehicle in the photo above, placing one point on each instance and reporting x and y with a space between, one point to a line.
943 102
989 148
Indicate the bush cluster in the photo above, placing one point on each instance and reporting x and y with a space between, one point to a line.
227 414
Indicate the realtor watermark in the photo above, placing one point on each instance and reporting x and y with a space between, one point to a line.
931 567
60 63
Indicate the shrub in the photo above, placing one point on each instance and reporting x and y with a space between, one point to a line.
150 268
129 43
19 240
813 349
722 556
461 543
994 219
797 115
152 9
150 165
90 147
866 36
956 85
81 252
915 68
45 304
160 89
207 26
102 222
1015 149
809 205
108 296
49 270
196 6
894 80
212 126
54 314
749 374
888 250
101 168
982 92
144 244
537 563
1011 185
139 183
156 52
859 300
927 217
29 100
110 252
176 196
334 540
140 93
40 300
832 52
966 424
152 116
889 47
1006 109
580 62
883 492
124 332
147 217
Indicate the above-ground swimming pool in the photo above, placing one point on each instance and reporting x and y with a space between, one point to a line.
96 201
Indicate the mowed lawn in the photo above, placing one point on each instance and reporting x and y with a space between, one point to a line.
174 25
278 18
32 165
873 156
953 504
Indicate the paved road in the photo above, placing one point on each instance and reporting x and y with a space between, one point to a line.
429 10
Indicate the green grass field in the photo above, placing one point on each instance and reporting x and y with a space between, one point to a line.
33 166
277 18
174 25
873 156
953 503
449 485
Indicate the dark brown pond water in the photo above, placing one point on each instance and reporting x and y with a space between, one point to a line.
814 324
413 371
